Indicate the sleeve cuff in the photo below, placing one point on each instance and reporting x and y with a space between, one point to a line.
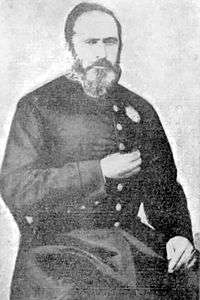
91 177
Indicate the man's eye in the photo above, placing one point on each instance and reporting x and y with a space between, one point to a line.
110 41
91 41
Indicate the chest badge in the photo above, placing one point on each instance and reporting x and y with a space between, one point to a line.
132 114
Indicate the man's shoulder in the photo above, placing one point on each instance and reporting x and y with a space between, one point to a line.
49 93
140 110
135 100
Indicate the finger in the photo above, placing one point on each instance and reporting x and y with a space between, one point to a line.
175 259
129 174
184 258
136 163
135 171
135 155
170 250
193 257
133 165
131 156
191 263
130 166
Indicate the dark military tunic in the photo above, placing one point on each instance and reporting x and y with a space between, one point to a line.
80 235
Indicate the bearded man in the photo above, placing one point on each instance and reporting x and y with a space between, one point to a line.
83 154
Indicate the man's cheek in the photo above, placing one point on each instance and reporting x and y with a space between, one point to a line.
110 77
91 75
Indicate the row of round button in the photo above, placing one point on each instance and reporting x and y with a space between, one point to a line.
119 127
121 148
83 207
118 205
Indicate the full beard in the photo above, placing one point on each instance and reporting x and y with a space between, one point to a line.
98 79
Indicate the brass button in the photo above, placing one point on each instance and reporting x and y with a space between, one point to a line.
119 187
118 207
117 224
115 108
119 126
121 146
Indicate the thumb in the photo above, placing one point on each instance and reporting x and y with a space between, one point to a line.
170 250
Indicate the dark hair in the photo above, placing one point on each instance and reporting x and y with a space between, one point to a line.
80 9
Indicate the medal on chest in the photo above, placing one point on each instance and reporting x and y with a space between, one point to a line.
132 114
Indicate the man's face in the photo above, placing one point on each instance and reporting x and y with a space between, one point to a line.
96 45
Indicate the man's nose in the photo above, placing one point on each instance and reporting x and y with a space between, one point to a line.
101 51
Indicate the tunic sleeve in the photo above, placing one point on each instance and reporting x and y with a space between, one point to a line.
27 182
165 202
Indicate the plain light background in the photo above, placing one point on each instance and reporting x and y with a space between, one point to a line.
160 61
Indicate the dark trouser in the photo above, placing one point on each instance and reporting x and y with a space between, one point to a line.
101 264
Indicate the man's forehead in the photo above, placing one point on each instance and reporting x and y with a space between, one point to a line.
95 24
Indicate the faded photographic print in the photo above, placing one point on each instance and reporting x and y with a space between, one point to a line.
100 168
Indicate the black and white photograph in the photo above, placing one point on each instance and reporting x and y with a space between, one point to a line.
100 150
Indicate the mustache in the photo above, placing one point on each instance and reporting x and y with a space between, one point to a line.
103 62
77 69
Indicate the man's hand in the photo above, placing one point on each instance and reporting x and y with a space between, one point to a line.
119 165
179 253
